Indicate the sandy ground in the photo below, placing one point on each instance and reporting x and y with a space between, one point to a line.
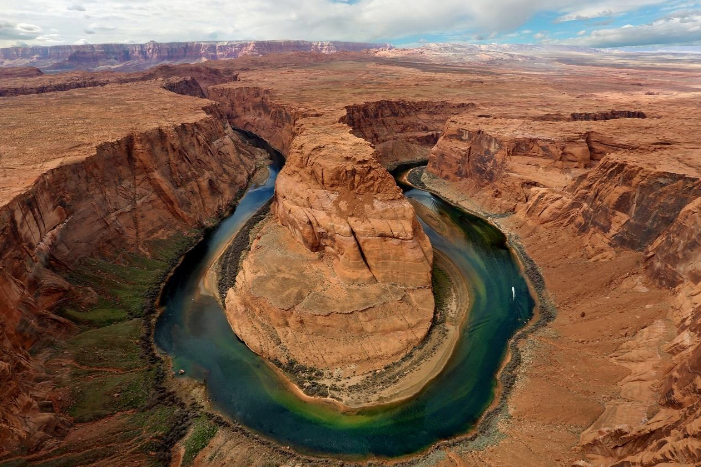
572 368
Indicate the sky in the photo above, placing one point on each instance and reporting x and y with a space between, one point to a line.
597 23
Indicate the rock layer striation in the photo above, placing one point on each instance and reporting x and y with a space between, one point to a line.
100 198
341 279
142 56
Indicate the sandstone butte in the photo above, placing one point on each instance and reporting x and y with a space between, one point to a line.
605 202
355 294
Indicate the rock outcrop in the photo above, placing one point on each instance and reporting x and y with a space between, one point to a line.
610 115
20 72
500 159
674 256
342 280
255 109
630 202
401 131
116 197
143 56
185 86
614 194
204 76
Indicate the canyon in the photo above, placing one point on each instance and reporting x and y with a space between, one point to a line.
592 172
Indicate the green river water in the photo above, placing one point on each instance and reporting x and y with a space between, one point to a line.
194 332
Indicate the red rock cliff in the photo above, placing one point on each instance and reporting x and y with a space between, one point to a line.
401 131
142 187
614 194
349 255
255 109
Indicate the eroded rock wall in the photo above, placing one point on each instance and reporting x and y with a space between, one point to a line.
199 78
349 254
627 201
401 131
613 194
142 56
337 198
255 109
143 187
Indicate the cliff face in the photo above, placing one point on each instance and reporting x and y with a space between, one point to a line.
614 194
401 131
619 192
20 72
143 187
340 200
632 204
479 151
499 160
669 431
674 255
201 76
349 254
647 204
142 56
254 109
611 115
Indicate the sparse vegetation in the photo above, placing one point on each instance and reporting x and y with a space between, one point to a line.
110 366
115 346
97 395
203 430
442 286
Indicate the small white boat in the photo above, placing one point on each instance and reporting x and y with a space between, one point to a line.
513 293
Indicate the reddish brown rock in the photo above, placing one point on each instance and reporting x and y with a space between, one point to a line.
202 75
674 255
628 199
337 198
255 109
143 56
349 254
20 72
611 115
401 131
100 198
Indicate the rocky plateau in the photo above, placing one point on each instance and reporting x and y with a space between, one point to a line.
347 250
603 201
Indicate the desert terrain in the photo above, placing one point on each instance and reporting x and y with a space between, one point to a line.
589 163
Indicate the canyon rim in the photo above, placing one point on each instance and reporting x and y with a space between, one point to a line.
490 252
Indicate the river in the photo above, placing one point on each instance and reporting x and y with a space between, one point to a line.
194 332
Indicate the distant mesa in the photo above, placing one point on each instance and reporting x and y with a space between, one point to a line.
20 72
142 56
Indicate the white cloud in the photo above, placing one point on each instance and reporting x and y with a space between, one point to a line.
27 28
540 35
50 39
361 20
680 27
82 42
602 8
25 31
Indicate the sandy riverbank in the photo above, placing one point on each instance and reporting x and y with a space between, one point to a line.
396 382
